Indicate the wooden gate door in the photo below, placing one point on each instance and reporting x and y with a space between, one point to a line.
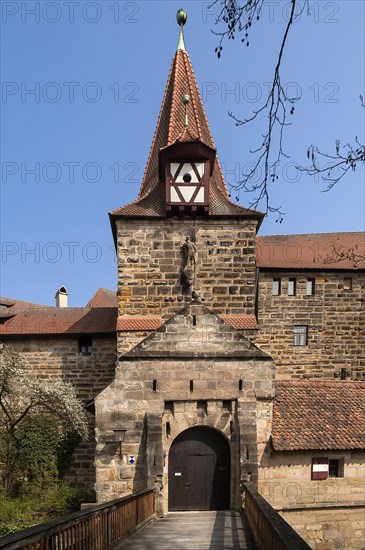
199 471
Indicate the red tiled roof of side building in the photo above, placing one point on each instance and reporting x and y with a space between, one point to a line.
312 251
104 297
319 415
241 322
138 323
19 304
93 320
171 129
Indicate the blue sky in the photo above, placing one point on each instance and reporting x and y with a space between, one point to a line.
76 147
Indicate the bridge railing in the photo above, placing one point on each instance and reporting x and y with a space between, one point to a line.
95 528
269 529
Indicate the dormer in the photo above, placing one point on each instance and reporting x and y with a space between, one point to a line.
186 168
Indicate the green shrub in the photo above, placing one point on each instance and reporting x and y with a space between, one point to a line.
36 504
66 447
36 449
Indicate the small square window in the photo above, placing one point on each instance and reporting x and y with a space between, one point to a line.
335 467
347 283
311 283
292 287
276 287
85 345
300 335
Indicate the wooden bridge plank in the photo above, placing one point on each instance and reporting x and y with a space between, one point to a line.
222 530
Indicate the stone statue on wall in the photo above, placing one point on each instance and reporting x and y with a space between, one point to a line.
189 254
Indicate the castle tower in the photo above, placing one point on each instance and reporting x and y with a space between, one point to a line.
189 382
183 209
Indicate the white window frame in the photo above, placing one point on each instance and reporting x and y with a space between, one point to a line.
311 286
300 335
292 286
276 286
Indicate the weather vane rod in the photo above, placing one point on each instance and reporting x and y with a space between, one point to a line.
181 18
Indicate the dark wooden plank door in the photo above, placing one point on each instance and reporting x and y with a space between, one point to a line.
199 471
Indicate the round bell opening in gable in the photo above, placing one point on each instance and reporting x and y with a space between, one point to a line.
187 178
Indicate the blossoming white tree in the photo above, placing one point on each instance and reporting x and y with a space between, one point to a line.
23 394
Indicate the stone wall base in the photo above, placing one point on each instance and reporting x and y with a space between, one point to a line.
329 528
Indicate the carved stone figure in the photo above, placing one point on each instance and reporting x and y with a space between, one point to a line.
189 254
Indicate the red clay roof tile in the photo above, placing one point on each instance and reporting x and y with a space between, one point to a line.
171 129
312 251
19 304
319 415
104 297
138 323
62 321
241 322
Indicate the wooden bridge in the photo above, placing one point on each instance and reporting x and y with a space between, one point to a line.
131 522
220 530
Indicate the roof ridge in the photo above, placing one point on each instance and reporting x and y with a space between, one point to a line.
188 66
314 234
316 381
140 194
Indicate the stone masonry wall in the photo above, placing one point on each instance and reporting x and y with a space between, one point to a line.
58 357
194 370
328 514
329 529
150 260
130 401
335 318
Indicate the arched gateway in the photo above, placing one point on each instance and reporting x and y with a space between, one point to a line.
199 470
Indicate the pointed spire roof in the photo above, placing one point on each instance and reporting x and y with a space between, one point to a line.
171 129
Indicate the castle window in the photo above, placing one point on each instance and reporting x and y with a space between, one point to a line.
276 287
169 407
300 335
347 283
292 287
335 467
168 429
323 468
202 408
311 287
85 345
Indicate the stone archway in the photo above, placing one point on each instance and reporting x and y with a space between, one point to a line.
199 470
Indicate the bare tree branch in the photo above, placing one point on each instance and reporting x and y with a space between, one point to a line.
275 108
344 159
339 254
240 17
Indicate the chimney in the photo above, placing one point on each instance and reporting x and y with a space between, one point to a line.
61 297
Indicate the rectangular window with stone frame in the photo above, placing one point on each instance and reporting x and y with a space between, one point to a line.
292 287
300 335
85 345
311 285
276 287
324 467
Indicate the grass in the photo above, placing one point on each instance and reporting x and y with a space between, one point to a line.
36 505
